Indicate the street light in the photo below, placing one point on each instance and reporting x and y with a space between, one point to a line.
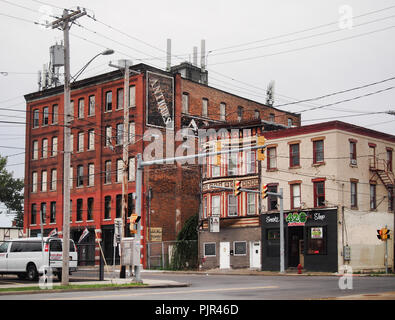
104 53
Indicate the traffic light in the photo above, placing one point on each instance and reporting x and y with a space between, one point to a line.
383 234
134 219
379 235
261 152
264 190
237 187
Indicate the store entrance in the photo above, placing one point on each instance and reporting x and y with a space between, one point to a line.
295 254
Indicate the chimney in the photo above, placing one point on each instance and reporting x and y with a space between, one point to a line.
203 55
195 50
168 60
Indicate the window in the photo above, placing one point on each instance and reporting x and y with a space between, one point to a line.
353 152
120 98
52 216
108 102
318 151
132 96
240 248
290 122
53 179
91 139
71 143
54 146
232 205
251 203
43 212
240 112
273 242
44 150
91 107
215 170
354 199
257 114
107 207
271 158
90 209
204 107
316 240
71 211
107 176
372 155
44 181
119 133
108 136
232 164
132 132
91 174
36 118
319 194
272 117
72 110
373 204
251 162
80 176
271 200
295 195
79 210
389 159
294 155
55 114
185 102
204 207
33 214
118 206
216 206
35 150
130 203
209 249
132 170
45 116
80 146
34 181
119 170
390 198
222 111
81 104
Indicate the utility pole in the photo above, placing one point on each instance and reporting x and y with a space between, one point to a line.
64 24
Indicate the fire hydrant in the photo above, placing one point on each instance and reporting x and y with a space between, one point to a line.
299 267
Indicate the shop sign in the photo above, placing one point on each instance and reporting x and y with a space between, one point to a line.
214 224
156 234
317 233
296 219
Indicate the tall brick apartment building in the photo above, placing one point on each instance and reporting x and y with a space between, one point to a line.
96 161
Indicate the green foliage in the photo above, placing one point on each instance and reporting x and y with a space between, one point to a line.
11 191
185 254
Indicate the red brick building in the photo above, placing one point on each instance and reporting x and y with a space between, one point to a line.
96 160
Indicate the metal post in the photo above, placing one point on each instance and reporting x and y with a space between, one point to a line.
386 254
282 269
139 191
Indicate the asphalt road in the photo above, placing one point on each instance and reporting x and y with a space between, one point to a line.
231 287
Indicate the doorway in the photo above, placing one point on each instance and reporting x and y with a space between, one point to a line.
295 249
224 255
255 255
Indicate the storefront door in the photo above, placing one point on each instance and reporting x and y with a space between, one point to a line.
295 234
224 255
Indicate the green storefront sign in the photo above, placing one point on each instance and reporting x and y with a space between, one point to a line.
296 219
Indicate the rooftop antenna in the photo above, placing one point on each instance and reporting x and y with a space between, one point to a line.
203 55
195 50
168 51
270 94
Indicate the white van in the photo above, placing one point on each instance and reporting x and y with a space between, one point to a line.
26 257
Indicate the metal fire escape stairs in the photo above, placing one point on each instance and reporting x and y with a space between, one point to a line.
381 168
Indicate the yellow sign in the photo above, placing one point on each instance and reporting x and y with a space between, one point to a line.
155 234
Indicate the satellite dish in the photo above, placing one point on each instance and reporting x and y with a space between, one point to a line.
270 94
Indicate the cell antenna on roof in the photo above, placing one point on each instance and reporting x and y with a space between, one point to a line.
270 94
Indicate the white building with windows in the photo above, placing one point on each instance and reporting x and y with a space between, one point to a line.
335 170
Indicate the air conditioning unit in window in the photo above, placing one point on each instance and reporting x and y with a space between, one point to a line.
354 161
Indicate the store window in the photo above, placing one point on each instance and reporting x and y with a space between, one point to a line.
316 240
209 249
273 242
240 248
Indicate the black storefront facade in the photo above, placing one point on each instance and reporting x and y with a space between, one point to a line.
310 239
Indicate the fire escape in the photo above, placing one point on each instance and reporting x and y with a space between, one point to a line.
383 169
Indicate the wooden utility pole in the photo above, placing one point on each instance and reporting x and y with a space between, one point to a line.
64 24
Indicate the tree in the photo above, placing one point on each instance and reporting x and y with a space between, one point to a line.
185 253
11 191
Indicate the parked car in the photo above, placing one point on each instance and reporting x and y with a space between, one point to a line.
27 257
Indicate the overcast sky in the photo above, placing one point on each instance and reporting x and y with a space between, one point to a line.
308 47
